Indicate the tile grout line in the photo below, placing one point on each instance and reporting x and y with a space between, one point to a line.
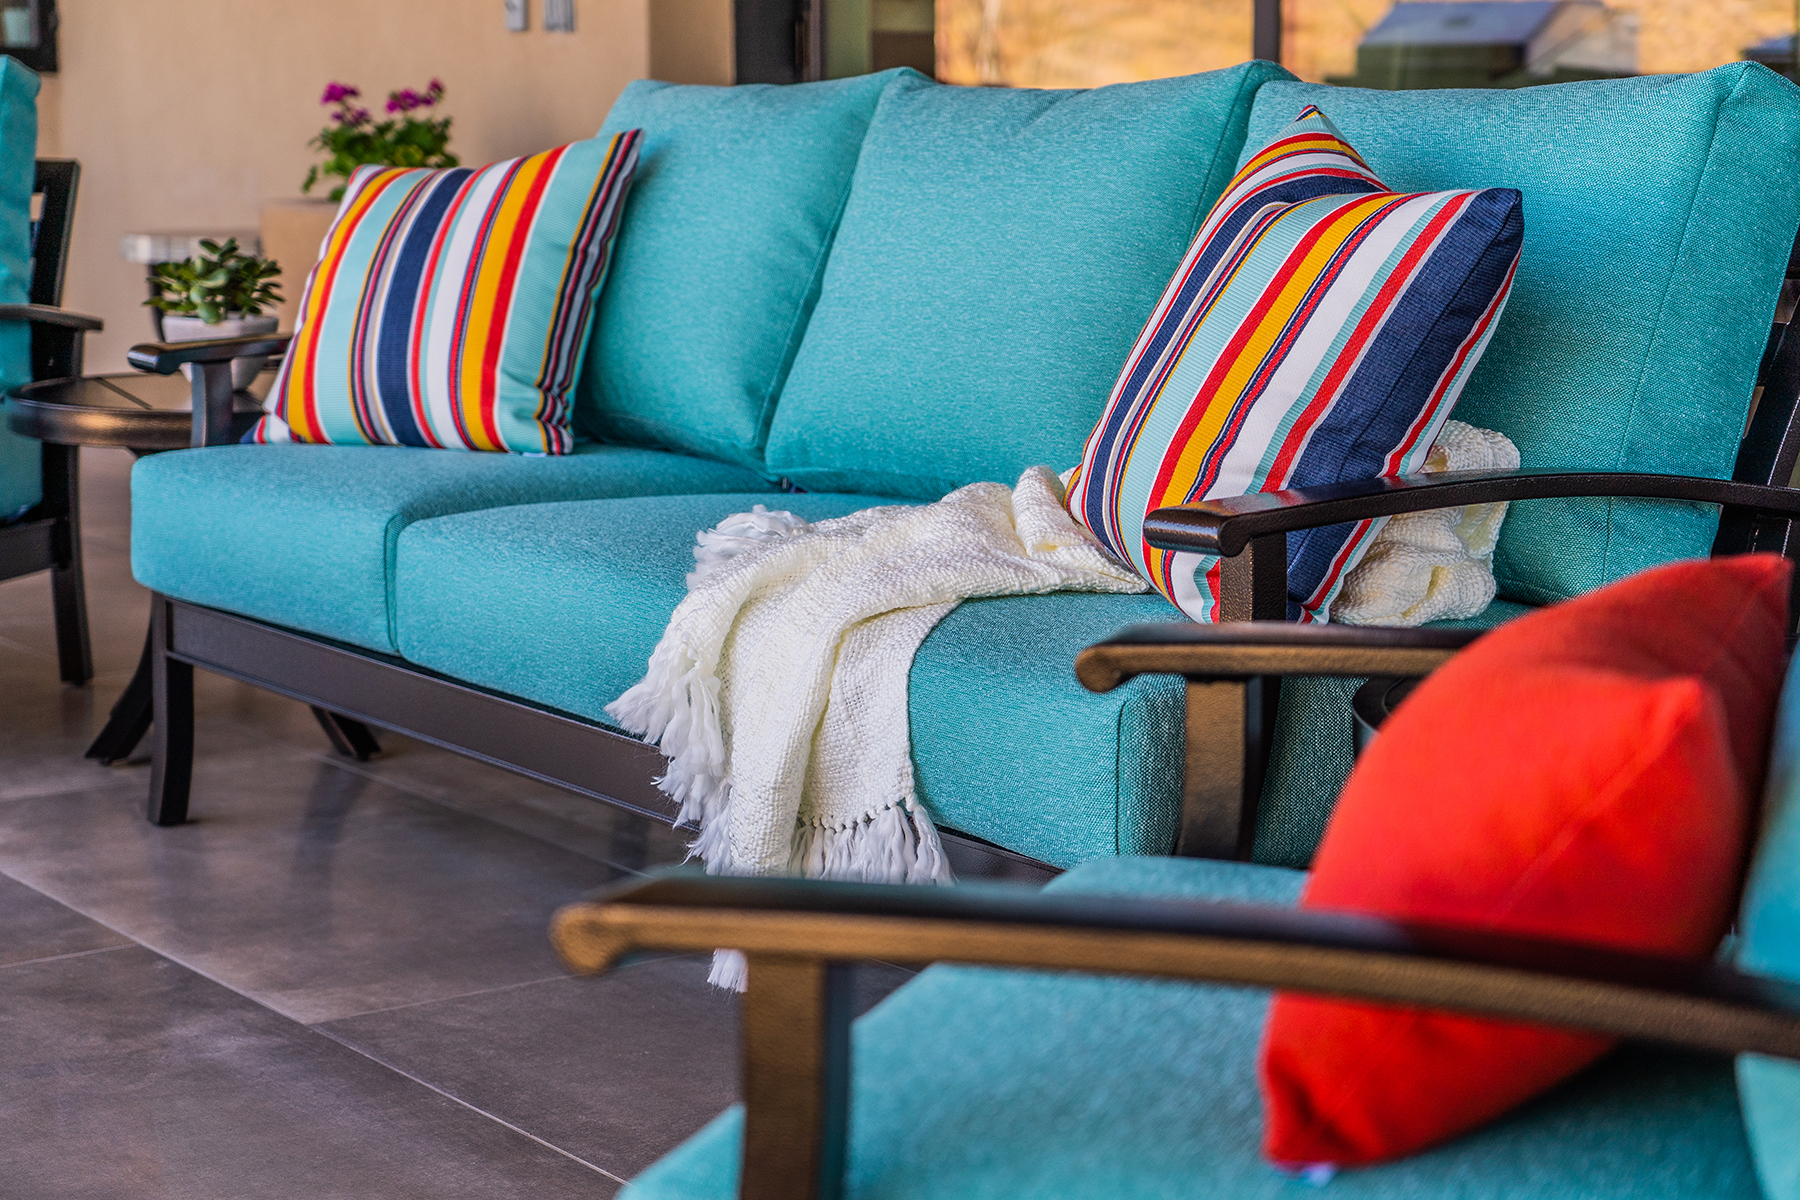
49 958
598 1170
505 987
186 966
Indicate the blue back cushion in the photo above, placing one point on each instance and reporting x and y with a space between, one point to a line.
717 264
1659 213
1769 926
21 477
999 253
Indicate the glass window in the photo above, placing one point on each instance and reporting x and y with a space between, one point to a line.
1086 43
1516 43
1366 43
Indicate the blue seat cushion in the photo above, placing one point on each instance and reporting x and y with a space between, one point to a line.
561 604
1769 945
21 475
982 1084
304 536
1644 293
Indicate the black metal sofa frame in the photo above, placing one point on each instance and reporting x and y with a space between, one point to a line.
1232 700
48 536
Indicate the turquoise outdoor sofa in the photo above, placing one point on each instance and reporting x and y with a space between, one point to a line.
882 288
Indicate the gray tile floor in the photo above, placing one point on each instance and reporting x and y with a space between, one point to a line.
335 980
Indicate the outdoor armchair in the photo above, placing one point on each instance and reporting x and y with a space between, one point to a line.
44 478
1058 1079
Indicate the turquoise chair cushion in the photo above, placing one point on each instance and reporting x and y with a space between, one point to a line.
982 1084
21 472
717 265
1769 929
561 604
999 253
1314 749
1654 249
304 536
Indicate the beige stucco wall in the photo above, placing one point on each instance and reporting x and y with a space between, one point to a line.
191 113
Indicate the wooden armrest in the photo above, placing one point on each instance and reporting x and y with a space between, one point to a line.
797 936
1699 1004
165 358
1226 526
44 314
1246 649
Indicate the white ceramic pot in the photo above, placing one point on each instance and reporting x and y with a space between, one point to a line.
193 329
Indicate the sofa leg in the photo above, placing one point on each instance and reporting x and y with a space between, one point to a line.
68 589
349 737
172 734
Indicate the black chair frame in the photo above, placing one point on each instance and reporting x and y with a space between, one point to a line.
801 937
1224 773
48 536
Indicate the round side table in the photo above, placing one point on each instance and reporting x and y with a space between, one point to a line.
143 413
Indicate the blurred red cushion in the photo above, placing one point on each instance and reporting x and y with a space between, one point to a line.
1584 774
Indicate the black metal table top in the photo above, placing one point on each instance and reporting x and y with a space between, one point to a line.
134 410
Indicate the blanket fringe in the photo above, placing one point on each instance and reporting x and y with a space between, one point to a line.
897 844
737 533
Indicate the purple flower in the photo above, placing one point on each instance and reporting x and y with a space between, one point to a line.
435 91
405 101
337 93
359 115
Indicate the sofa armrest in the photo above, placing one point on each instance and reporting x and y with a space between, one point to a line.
797 934
45 314
1226 526
165 358
1247 649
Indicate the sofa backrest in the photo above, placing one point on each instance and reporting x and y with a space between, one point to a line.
21 475
999 252
718 258
1659 213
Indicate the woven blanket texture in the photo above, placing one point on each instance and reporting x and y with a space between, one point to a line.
779 689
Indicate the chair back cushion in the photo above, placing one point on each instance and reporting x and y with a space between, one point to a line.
21 475
1319 330
451 308
1000 250
1585 774
1769 932
1661 214
737 196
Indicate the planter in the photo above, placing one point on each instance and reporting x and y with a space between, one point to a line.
292 231
193 329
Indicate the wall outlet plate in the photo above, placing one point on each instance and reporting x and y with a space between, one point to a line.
559 16
518 16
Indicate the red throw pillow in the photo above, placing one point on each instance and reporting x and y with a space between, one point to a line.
1584 774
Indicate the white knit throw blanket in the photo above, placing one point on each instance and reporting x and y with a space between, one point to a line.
779 689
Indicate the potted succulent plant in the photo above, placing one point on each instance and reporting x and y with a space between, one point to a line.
220 292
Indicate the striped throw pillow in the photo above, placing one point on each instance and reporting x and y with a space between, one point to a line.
451 308
1319 330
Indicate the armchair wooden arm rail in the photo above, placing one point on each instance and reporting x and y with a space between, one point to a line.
798 936
1251 531
211 376
165 358
1233 673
